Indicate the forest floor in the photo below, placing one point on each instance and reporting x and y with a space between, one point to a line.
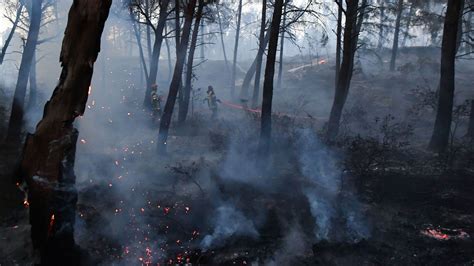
209 201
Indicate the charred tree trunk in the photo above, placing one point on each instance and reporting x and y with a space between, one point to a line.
16 117
261 50
48 156
148 30
253 69
155 59
176 81
236 48
12 32
222 37
442 127
266 120
338 40
382 19
396 35
282 45
32 101
168 52
184 106
345 75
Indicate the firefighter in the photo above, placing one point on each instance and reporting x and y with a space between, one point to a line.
155 102
212 101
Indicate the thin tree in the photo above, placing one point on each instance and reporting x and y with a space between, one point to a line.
47 163
266 120
221 31
184 105
176 81
396 35
261 50
351 34
338 38
439 139
381 24
16 117
282 45
12 32
236 48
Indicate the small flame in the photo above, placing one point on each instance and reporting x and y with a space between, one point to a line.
51 224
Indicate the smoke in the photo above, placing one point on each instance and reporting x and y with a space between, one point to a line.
229 222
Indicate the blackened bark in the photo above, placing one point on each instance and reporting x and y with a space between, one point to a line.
155 58
282 45
16 117
393 59
470 130
12 32
442 127
176 81
168 52
184 105
345 75
261 50
47 164
236 49
32 101
338 40
266 120
148 29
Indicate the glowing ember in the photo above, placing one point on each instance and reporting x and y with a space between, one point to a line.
51 224
90 90
26 203
83 141
443 234
322 62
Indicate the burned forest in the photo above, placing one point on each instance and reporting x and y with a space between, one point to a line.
236 132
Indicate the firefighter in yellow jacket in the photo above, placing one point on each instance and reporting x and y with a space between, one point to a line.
212 101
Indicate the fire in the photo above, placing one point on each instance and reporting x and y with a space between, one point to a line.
51 224
444 234
26 203
322 62
83 141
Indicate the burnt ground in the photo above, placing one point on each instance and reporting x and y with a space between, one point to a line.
137 208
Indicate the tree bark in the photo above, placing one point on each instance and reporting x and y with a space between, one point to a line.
266 120
470 130
396 35
12 32
148 30
338 40
407 29
47 164
139 44
282 45
176 81
16 117
261 51
184 105
236 48
351 33
155 59
442 127
32 101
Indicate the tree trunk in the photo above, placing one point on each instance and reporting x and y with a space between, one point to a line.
470 130
175 82
139 44
236 48
155 59
338 40
32 101
345 75
47 163
202 39
266 120
468 44
12 32
442 127
168 52
382 19
222 37
396 35
184 106
460 28
148 30
407 29
253 68
282 42
16 118
261 51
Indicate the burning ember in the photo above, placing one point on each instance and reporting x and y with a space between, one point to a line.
443 234
51 224
322 62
